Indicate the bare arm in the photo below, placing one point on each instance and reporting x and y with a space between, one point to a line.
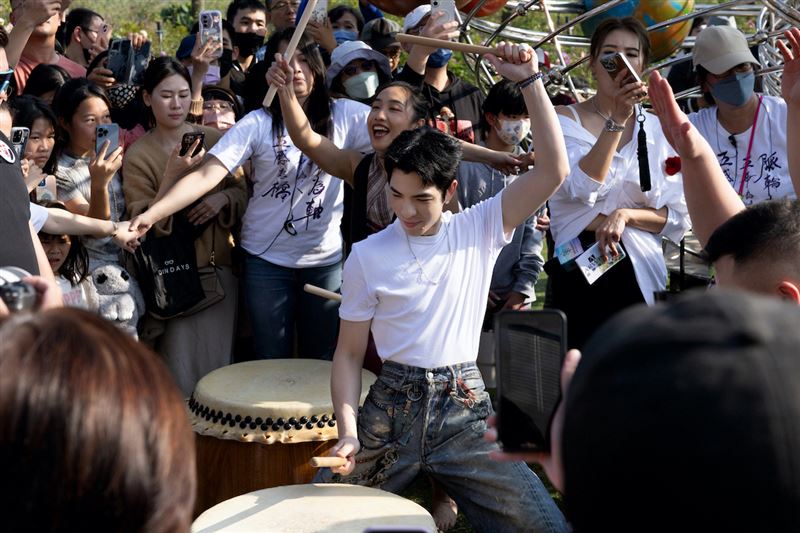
188 189
60 222
418 56
33 13
41 258
710 198
329 157
532 189
346 387
790 89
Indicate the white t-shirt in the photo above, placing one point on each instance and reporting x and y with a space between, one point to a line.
38 216
310 199
768 170
414 321
74 296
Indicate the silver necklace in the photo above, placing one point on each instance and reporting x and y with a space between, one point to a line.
597 110
424 275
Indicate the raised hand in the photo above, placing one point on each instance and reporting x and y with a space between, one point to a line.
281 76
515 62
680 133
102 168
790 83
178 165
322 33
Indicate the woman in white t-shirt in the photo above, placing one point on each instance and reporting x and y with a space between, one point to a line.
747 131
602 198
291 228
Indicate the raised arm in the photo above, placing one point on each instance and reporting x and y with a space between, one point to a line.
790 89
418 56
532 189
31 14
329 157
709 197
185 191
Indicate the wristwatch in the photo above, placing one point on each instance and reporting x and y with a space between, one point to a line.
613 127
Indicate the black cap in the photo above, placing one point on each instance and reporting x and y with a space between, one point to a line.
380 33
686 417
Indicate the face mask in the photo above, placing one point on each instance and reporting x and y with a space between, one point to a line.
439 58
343 36
247 42
225 62
512 132
362 85
736 89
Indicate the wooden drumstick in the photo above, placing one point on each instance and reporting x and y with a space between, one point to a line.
327 462
319 291
441 43
298 32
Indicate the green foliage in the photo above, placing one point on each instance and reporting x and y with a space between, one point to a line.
180 16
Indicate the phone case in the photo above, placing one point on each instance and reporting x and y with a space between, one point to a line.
616 61
188 139
19 139
320 12
530 348
108 132
120 60
141 58
211 28
449 8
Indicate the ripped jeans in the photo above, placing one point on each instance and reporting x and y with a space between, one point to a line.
432 420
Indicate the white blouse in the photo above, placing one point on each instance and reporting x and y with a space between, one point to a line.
581 198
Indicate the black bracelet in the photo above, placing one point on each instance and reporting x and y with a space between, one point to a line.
527 81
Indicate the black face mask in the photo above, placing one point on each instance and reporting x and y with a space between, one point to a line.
247 42
225 62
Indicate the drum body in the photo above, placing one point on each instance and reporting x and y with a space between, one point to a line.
315 509
258 423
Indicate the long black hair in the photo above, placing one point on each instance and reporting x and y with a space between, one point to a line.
45 78
26 110
318 104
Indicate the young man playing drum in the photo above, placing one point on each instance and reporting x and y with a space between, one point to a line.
420 285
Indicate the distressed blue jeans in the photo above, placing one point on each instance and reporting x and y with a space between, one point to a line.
432 420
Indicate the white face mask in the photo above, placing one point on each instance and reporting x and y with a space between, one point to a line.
513 131
361 86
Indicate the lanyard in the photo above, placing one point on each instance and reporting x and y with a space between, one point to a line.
749 147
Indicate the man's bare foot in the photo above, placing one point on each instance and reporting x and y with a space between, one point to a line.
444 509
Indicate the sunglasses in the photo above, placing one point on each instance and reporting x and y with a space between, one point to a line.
368 65
5 80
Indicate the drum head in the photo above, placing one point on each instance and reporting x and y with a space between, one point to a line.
313 509
278 400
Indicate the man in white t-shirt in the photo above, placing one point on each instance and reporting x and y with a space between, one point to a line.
420 286
745 129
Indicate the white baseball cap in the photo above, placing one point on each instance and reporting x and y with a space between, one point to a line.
720 48
412 19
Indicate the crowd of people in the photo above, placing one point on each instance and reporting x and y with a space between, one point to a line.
184 215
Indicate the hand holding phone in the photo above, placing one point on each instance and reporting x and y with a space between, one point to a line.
211 29
616 63
189 139
106 132
448 7
19 140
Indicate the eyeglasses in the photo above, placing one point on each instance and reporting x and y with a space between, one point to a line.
368 65
217 105
284 5
5 81
102 30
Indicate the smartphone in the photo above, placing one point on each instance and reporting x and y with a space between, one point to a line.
19 139
320 12
449 8
188 140
211 28
530 348
141 58
106 132
120 60
615 63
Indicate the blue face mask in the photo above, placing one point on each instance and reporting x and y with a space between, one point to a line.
736 89
343 36
439 58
